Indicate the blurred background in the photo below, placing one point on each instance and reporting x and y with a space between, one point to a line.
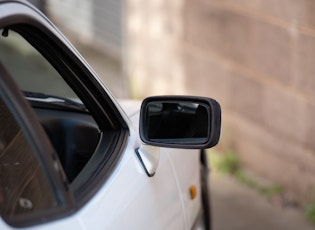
256 57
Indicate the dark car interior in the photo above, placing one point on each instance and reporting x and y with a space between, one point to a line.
74 136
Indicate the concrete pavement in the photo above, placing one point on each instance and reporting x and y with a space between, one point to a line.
237 207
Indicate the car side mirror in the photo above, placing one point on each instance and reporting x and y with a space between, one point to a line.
180 122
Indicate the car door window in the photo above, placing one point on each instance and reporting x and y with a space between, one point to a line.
81 121
24 188
74 136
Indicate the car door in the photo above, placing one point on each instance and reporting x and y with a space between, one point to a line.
50 75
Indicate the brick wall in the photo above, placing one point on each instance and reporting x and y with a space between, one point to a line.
256 57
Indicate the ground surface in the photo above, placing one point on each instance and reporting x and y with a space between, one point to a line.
237 207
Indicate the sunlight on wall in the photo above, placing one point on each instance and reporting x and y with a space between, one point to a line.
155 64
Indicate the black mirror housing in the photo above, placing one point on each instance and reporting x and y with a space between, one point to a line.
180 122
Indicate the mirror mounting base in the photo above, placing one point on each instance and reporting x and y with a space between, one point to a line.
149 157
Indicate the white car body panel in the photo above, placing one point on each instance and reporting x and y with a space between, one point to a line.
130 199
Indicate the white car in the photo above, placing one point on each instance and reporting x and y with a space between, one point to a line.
72 157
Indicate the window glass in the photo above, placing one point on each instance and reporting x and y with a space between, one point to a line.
31 71
24 188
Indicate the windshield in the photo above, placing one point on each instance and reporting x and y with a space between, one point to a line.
31 71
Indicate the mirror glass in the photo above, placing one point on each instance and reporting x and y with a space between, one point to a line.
177 120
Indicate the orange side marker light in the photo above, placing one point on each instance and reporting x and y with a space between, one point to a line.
193 191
